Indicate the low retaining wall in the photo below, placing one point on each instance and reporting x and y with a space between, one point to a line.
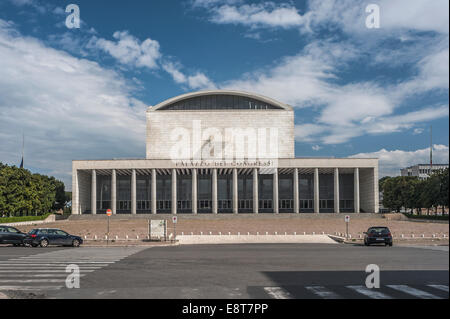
49 219
255 239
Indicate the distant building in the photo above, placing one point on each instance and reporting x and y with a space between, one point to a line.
422 171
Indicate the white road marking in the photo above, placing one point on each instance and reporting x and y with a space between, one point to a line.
48 268
277 293
41 271
440 287
29 288
323 292
371 293
414 292
31 280
36 275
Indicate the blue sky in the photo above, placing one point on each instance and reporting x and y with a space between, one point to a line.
82 93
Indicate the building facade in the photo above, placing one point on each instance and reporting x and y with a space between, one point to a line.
223 152
423 171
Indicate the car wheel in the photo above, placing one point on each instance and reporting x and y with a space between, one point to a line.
75 243
44 243
390 245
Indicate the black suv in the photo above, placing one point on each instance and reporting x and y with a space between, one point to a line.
11 235
50 236
378 235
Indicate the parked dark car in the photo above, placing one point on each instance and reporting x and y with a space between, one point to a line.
49 236
11 235
378 235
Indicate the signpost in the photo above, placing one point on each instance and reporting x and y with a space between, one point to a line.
174 221
108 213
347 221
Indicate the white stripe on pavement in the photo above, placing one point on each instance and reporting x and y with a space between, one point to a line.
277 293
24 281
29 288
323 292
440 287
35 275
371 293
414 292
41 271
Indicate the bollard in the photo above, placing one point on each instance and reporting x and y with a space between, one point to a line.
257 233
285 233
412 235
210 233
137 236
360 236
182 233
106 237
95 237
117 237
267 233
314 233
434 235
323 233
201 233
276 233
85 237
295 233
423 235
192 233
239 234
349 236
220 233
403 236
304 233
229 233
248 234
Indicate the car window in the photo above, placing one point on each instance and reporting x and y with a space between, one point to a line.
51 232
379 230
60 232
2 230
43 231
12 230
33 231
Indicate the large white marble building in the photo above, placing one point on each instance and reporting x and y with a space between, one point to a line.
219 152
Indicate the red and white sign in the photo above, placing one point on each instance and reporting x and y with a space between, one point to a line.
174 219
347 218
108 212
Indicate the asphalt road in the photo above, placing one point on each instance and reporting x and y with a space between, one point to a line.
295 271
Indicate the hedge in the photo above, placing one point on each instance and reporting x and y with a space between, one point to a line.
18 219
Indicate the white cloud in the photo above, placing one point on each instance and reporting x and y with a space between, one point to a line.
316 148
418 131
68 108
256 15
392 161
398 15
129 50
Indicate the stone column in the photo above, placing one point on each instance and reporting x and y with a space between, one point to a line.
154 211
114 192
235 192
174 191
133 192
94 193
296 192
214 191
316 191
336 190
194 191
356 204
255 191
76 210
275 196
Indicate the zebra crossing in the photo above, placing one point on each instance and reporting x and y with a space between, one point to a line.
47 271
427 291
